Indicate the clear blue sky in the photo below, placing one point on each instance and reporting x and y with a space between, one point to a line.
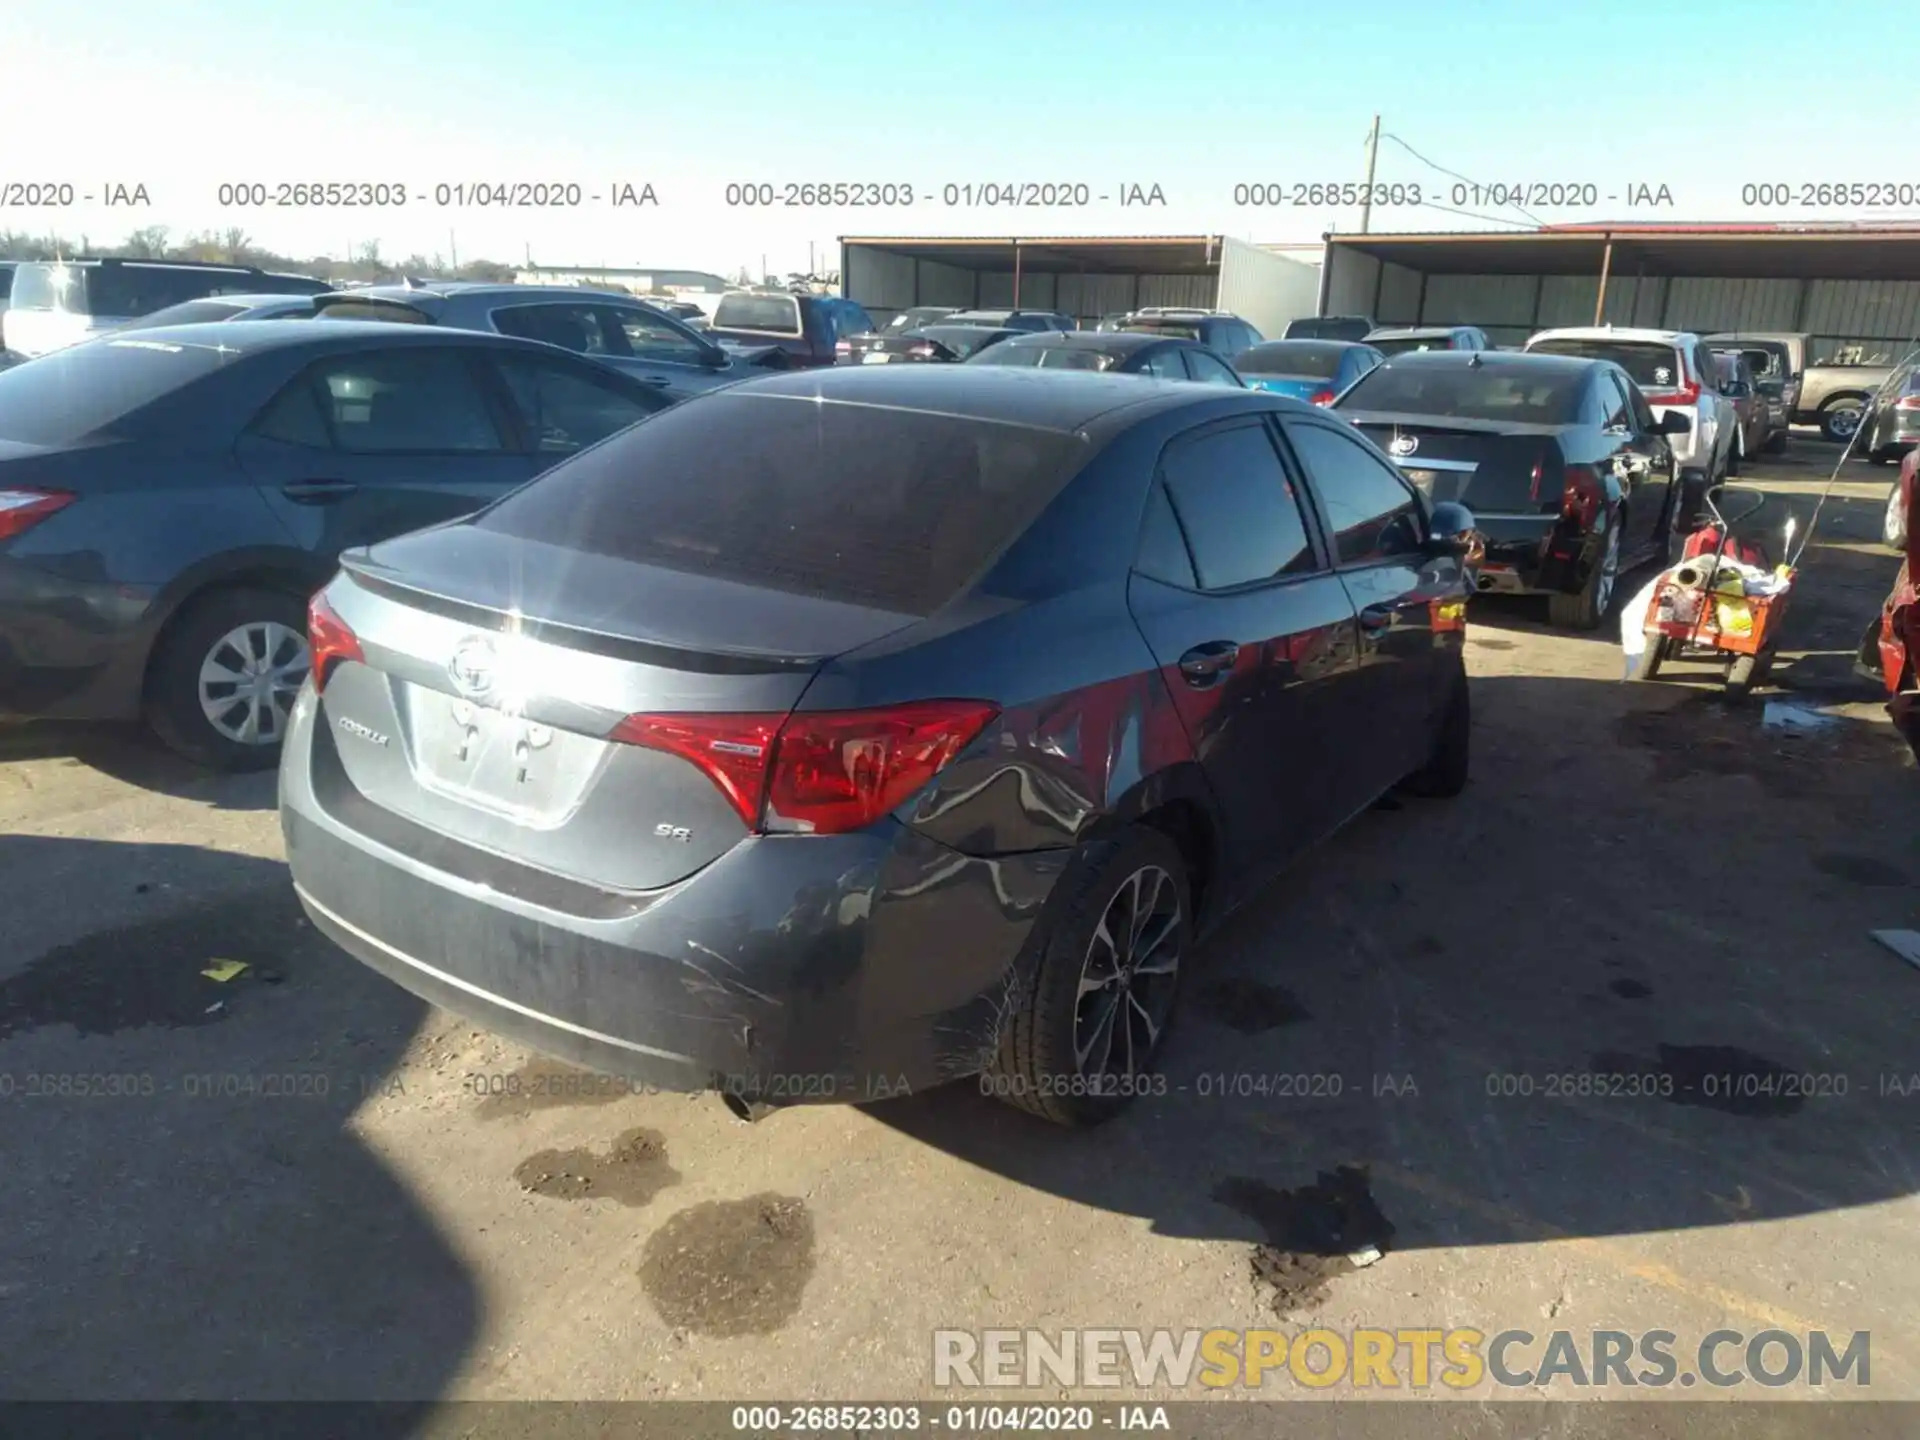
190 94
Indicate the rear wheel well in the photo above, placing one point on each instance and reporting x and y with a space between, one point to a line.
285 582
1187 824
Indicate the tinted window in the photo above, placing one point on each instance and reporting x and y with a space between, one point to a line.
564 411
850 319
650 336
1643 417
71 393
295 418
890 508
134 290
1309 359
1052 357
1162 327
377 310
572 327
1524 394
410 401
962 340
1211 371
777 314
1163 549
1617 395
1237 507
1650 363
1408 344
1595 400
1165 365
1372 511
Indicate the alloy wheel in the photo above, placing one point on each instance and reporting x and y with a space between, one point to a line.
248 681
1843 420
1128 977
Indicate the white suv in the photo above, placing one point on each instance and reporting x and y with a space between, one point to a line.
1675 371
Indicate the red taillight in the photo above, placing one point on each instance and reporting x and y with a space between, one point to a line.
1322 397
1583 497
842 347
1907 402
1687 394
817 773
21 510
329 640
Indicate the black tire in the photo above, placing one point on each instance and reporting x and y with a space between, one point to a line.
1832 409
1445 773
174 709
1587 609
1035 1066
1690 509
1748 673
1736 452
1777 442
1659 651
1879 457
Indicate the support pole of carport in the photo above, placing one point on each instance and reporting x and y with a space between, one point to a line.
1606 268
1016 274
1326 276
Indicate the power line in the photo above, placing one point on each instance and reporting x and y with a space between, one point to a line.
1464 179
1471 214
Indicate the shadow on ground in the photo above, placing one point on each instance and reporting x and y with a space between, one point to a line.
130 754
187 1213
1623 984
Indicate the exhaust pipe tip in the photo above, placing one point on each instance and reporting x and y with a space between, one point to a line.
1484 582
747 1112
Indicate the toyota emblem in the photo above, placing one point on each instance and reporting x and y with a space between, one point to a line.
472 668
1404 445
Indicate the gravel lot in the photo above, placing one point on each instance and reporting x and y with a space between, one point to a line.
294 1190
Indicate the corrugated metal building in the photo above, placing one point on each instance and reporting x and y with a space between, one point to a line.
1854 289
1085 277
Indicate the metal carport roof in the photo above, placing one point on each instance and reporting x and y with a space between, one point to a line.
1681 251
1075 254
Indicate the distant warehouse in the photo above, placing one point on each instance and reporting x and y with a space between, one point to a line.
639 281
1083 277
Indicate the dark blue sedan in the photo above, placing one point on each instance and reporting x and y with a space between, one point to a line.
1311 370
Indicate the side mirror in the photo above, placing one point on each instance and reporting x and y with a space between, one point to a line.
1675 422
715 358
1452 530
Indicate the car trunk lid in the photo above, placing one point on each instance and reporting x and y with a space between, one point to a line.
493 675
1495 467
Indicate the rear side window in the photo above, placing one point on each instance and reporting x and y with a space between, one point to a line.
1163 549
774 314
1373 513
1208 370
563 410
1237 506
900 510
91 388
1162 364
571 327
405 402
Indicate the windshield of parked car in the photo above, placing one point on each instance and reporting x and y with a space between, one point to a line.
1307 359
912 320
1651 363
962 340
77 392
1472 392
1049 357
774 314
896 509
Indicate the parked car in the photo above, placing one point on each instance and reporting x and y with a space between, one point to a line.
682 310
1569 473
169 500
1311 370
1404 340
808 329
1779 364
216 309
1121 352
1836 396
1675 371
7 267
1752 416
1030 320
945 343
1225 335
59 303
916 316
1330 327
899 749
621 331
1116 320
1891 426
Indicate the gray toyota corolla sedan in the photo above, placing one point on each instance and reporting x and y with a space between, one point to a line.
857 730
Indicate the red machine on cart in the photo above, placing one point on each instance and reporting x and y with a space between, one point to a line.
1695 624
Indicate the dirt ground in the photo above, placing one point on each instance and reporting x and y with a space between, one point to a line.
300 1183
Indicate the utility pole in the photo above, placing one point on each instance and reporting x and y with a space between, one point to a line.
1373 154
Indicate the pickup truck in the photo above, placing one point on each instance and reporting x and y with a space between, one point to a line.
1835 397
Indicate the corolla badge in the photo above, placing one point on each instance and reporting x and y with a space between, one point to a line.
1403 445
472 668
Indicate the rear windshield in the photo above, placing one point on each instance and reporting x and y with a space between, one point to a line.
963 340
194 312
1051 357
374 310
914 319
1163 327
1310 360
1652 365
896 509
1407 344
1766 362
1329 327
80 391
777 314
1470 392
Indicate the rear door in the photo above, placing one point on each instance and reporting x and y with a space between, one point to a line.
1645 466
1376 529
1254 637
369 444
563 408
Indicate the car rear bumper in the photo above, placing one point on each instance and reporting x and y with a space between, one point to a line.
793 969
1530 554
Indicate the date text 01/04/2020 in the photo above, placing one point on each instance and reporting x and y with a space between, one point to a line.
442 194
972 194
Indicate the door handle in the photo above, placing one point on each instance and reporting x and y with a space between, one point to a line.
318 492
1205 664
1376 618
659 382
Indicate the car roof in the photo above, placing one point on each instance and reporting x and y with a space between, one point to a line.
1106 342
1062 400
1617 332
257 336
